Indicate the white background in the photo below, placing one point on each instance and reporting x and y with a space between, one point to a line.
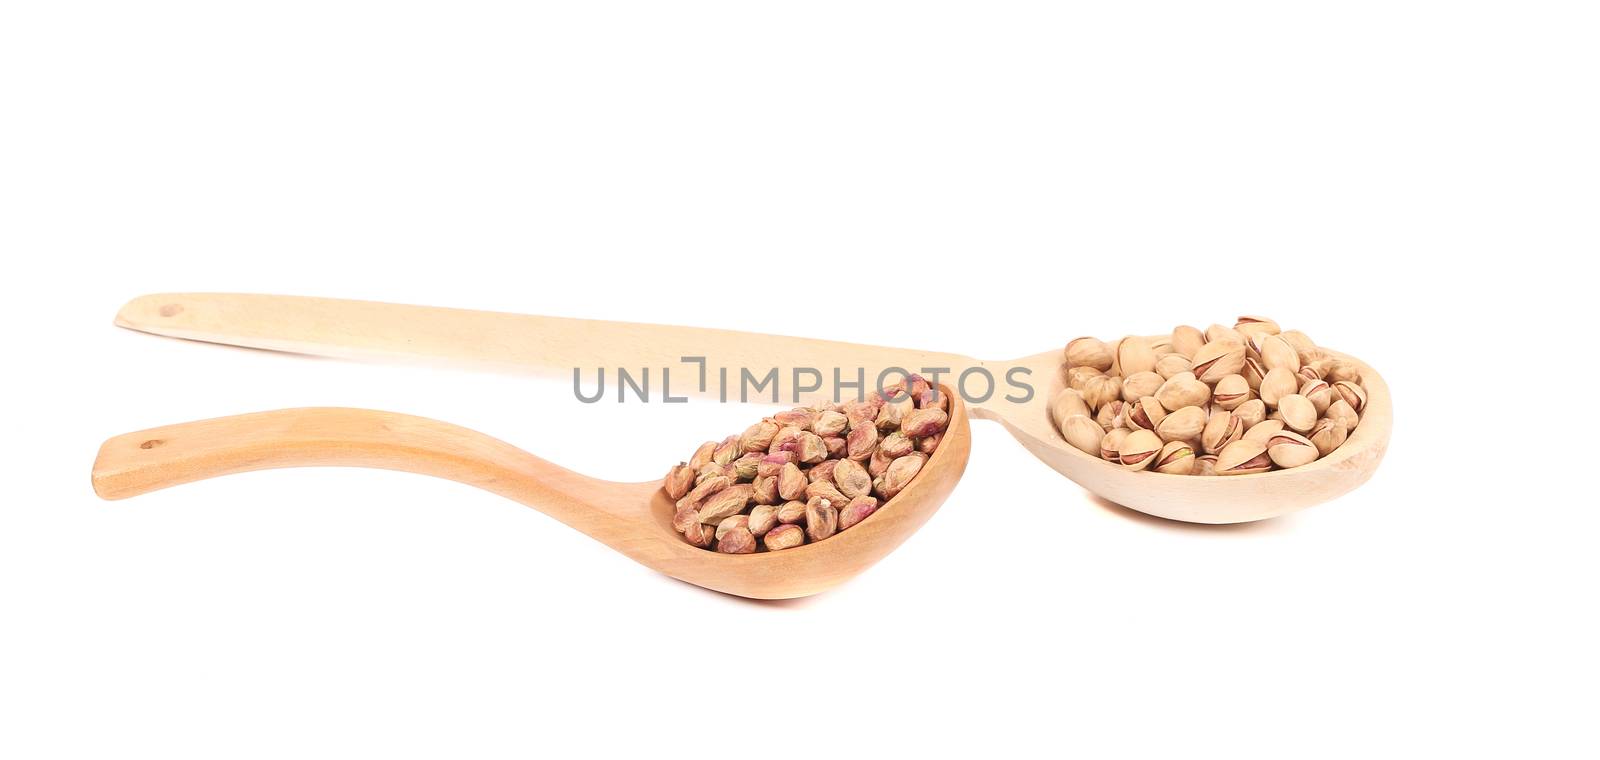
1411 182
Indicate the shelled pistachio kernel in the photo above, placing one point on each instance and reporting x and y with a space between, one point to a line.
1250 368
807 474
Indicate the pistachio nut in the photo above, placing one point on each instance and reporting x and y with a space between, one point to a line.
1256 324
925 422
1288 449
1088 352
1220 334
1083 433
702 455
706 487
700 534
747 467
1111 445
1253 372
1353 394
1077 376
1183 390
1113 415
1175 458
897 444
800 418
792 512
1066 404
899 475
859 508
1251 412
890 414
828 424
729 523
1299 414
1184 424
1144 414
725 503
1341 371
684 516
1243 458
784 537
851 478
1134 355
822 518
1310 372
1140 384
791 482
879 463
762 519
1320 393
1186 340
822 471
1101 389
810 448
1171 364
1276 352
1263 431
861 442
1328 434
759 436
822 489
1341 411
1205 464
678 481
1231 391
1302 344
1220 430
737 541
765 490
930 444
1139 449
1218 359
1278 383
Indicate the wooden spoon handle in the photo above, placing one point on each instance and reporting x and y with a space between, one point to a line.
136 463
552 346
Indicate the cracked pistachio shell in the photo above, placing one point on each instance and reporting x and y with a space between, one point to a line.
1243 458
737 541
1111 445
1205 464
1139 449
1140 384
1278 383
1184 424
1218 333
1183 390
1186 340
1112 415
1144 414
1327 435
1276 352
1341 411
1320 393
1083 434
1175 458
1310 372
784 537
1077 376
1231 391
1220 430
1066 404
1218 359
1102 389
1253 372
1088 352
1134 355
1339 371
1251 412
1299 414
729 523
1352 394
1169 365
1287 449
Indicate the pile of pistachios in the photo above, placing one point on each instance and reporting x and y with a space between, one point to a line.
1227 401
806 474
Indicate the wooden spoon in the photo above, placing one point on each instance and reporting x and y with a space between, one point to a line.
555 346
633 518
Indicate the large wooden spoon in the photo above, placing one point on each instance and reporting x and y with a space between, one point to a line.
633 518
555 346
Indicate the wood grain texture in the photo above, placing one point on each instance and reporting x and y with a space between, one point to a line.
633 518
553 346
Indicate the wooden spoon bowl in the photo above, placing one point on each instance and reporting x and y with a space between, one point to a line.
633 518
